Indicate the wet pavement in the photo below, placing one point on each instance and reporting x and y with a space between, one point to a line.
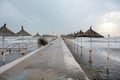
54 62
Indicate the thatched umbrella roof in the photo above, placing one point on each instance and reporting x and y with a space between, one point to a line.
4 31
37 35
68 35
74 34
79 34
22 32
91 33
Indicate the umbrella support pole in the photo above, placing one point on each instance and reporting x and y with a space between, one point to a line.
81 46
22 50
77 48
74 45
90 50
81 50
19 47
107 66
3 59
90 58
107 70
3 55
3 41
22 40
3 51
90 43
108 54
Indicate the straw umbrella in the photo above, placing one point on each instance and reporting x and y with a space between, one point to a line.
4 31
22 33
80 34
37 35
92 34
76 35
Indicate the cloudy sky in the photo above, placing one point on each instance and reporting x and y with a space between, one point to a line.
61 16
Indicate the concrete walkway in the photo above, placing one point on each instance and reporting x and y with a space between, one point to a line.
53 62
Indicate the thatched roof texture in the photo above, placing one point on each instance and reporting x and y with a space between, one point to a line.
4 31
79 34
22 32
37 35
91 33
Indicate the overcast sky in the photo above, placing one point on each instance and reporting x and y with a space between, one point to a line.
61 16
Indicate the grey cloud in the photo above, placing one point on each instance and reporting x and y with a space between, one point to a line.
58 15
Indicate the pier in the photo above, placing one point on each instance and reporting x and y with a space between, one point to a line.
51 62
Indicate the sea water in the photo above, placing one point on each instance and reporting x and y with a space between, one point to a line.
17 42
99 56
